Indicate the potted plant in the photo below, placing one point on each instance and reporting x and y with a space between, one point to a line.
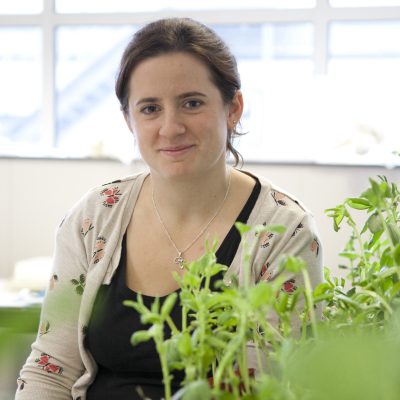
350 353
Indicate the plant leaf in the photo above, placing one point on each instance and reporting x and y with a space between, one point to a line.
260 294
375 224
184 344
197 390
168 304
140 337
396 255
242 228
358 203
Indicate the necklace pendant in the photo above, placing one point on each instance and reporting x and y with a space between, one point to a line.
179 260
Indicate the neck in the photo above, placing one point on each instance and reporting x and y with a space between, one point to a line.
194 198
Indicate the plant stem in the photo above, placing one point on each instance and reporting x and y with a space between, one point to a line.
184 318
310 302
164 366
172 325
378 297
202 339
257 350
392 245
229 355
235 387
360 243
243 368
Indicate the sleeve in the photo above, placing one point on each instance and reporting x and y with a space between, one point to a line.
303 242
54 363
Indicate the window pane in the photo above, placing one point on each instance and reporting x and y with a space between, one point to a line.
20 82
365 39
104 6
274 61
363 87
21 6
89 122
364 3
275 64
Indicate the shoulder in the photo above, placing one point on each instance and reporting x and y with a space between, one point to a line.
275 203
276 206
105 199
110 193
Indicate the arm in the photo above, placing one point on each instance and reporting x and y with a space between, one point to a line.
300 240
54 363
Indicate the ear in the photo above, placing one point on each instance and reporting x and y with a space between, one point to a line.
235 109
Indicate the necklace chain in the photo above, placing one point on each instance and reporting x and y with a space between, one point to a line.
179 260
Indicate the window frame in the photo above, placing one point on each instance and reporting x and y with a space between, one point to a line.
320 16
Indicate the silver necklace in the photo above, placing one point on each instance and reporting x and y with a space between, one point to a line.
179 259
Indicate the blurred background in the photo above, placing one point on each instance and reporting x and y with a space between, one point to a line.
321 85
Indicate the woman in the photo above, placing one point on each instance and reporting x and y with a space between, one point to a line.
179 91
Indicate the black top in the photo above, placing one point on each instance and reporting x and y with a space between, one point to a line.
123 367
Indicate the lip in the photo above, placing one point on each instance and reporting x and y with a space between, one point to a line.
176 150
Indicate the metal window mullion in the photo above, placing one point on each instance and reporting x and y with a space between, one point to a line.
321 37
365 13
208 17
48 76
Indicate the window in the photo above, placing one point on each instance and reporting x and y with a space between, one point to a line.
319 77
21 6
363 66
21 89
87 110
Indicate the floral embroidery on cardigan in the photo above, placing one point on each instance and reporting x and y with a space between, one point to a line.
314 246
299 227
98 252
44 363
265 275
79 284
289 286
44 328
265 237
20 383
86 227
112 196
279 198
53 281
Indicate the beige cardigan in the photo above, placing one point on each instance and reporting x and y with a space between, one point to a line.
87 253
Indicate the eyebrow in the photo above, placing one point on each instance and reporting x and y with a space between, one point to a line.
180 97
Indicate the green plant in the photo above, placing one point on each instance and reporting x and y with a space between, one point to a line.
360 321
216 326
373 255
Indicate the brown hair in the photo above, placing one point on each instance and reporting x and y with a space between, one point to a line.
182 35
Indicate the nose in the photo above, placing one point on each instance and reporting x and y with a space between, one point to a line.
172 124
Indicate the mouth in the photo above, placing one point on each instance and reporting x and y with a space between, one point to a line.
176 150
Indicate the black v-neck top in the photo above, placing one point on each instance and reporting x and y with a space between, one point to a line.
122 367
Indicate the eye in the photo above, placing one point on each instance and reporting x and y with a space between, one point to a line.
151 109
193 104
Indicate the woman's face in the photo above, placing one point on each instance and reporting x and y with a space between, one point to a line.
178 116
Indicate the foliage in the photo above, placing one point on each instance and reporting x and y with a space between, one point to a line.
373 256
349 354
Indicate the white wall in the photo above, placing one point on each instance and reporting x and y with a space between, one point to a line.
35 194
